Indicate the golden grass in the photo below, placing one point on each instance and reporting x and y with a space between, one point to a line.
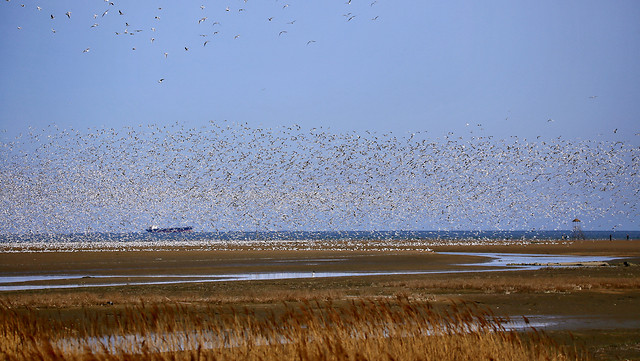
526 283
367 329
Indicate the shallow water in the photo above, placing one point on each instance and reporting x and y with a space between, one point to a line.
496 262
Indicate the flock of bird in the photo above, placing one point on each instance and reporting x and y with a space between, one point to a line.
229 176
210 19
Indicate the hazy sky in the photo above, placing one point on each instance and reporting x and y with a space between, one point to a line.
385 65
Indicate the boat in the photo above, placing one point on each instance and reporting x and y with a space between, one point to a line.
156 229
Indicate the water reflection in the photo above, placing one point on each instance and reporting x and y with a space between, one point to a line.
495 262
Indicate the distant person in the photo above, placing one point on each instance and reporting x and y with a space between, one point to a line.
610 237
627 237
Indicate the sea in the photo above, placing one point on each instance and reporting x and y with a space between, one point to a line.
311 236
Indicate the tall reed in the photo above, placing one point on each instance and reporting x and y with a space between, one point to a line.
366 329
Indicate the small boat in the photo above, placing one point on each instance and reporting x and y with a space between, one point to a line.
156 229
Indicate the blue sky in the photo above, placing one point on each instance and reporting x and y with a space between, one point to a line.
567 72
420 65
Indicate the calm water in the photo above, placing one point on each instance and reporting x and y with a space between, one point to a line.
283 236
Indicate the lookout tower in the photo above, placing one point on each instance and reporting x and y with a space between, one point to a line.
577 230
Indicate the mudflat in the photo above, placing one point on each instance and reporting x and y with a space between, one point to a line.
597 305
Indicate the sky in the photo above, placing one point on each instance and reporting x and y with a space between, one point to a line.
560 74
388 66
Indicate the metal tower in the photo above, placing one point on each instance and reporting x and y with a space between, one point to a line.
577 230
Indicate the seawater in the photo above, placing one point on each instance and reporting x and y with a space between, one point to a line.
285 236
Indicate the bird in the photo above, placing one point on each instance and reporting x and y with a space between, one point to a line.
161 80
68 14
86 50
310 41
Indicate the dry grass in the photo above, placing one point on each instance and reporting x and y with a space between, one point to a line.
538 282
392 329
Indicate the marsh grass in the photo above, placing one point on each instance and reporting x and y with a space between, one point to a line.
365 329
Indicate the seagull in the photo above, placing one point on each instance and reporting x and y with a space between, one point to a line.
39 8
105 13
202 7
165 55
161 80
201 20
120 12
68 14
186 49
282 32
86 50
310 41
52 17
205 43
237 36
94 25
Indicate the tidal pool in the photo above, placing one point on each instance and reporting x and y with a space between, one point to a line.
496 262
